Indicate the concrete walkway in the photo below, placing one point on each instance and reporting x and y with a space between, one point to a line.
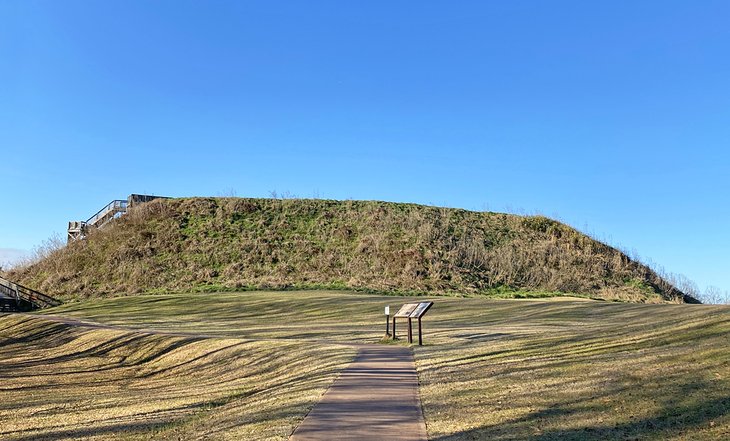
375 398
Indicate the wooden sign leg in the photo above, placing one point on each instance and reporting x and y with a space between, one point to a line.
420 337
394 337
410 331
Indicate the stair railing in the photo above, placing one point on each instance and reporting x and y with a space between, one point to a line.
22 293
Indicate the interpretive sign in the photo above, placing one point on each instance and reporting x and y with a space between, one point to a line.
421 309
412 311
406 310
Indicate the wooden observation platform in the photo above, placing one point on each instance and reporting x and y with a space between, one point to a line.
114 209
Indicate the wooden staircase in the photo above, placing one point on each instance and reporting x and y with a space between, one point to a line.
114 209
15 297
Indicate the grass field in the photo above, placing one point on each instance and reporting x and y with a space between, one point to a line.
68 382
490 369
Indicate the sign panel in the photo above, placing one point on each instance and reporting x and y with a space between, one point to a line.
420 309
406 310
387 310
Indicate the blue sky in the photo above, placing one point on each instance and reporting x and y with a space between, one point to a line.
611 116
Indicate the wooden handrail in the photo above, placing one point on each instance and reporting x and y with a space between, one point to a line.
117 205
22 293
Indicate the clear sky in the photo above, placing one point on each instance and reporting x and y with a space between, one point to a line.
611 116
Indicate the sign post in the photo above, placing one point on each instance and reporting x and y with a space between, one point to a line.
410 331
387 320
420 334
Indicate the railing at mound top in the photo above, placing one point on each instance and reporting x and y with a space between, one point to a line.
21 293
107 213
113 210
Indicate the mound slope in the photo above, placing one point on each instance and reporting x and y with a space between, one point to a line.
240 243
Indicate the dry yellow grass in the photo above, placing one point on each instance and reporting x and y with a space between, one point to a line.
551 369
69 382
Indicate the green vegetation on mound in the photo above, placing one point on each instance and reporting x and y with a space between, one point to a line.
236 243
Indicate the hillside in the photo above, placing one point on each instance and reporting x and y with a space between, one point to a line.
237 243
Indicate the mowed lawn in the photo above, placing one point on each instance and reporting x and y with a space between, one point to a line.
491 369
62 382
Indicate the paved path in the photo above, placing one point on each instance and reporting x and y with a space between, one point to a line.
375 398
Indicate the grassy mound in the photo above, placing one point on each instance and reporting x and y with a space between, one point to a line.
236 243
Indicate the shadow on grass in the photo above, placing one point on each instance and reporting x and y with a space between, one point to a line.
671 421
100 430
